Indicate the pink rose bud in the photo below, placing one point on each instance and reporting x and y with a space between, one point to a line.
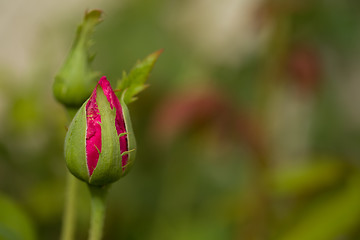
100 142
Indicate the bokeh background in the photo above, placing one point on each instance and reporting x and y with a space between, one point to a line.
250 128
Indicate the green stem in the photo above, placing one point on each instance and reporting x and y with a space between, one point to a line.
98 196
68 227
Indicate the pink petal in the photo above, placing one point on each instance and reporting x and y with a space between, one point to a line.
119 119
93 133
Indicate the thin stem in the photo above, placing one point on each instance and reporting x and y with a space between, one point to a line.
98 196
69 217
68 227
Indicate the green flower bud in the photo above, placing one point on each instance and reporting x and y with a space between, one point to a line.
75 80
100 144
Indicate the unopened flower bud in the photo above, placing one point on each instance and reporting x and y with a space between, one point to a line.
100 144
75 80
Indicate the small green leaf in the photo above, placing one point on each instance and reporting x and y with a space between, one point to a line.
134 82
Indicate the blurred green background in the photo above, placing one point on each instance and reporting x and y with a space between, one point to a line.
250 128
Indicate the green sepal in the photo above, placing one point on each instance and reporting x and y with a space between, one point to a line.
130 137
127 152
108 168
75 150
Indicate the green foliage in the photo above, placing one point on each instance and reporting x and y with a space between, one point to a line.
305 178
14 222
331 217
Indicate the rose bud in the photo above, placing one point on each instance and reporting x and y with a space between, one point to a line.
76 79
100 142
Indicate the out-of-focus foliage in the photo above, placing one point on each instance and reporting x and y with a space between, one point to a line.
14 223
250 128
